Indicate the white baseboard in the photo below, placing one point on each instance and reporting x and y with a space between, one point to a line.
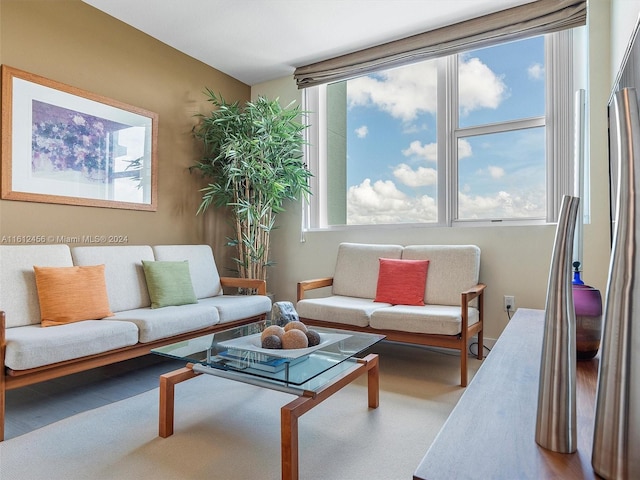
488 343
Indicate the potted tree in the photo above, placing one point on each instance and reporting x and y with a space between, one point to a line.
253 159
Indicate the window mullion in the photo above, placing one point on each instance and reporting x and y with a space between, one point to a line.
447 122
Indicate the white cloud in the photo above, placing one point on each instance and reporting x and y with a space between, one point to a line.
427 151
362 131
409 128
464 149
536 72
420 177
502 205
406 92
496 172
402 92
382 203
479 87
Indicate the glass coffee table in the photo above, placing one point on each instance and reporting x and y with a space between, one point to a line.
312 374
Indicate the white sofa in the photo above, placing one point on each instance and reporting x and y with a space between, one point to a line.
32 353
453 298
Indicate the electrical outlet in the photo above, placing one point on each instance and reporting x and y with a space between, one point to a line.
510 302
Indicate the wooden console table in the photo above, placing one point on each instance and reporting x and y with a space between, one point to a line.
491 431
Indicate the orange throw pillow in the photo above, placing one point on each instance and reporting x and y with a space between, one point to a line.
402 282
71 294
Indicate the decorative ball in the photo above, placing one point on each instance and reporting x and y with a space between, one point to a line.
296 324
294 338
271 341
276 330
313 337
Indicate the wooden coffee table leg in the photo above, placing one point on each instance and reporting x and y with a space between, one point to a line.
290 413
289 438
167 388
373 380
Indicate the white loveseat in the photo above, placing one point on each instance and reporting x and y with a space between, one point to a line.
31 353
453 297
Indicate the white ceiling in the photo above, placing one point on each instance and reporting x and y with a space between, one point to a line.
259 40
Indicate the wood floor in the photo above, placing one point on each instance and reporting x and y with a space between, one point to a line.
35 406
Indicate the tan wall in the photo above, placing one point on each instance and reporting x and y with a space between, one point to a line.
71 42
515 260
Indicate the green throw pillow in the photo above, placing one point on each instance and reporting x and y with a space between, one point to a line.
169 283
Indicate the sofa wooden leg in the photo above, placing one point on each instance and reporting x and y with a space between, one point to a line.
3 382
2 406
463 366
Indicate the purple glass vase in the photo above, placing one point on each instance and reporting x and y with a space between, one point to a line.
588 305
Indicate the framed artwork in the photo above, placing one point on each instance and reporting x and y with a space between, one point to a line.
61 144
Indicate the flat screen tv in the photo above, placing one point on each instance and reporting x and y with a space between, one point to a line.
628 77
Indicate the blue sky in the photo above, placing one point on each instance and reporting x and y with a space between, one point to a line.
391 136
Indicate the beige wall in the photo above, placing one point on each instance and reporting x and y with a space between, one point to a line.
515 260
71 42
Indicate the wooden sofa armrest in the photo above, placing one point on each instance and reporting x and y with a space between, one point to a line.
253 283
476 291
473 292
312 285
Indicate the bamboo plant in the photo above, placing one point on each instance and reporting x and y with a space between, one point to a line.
253 159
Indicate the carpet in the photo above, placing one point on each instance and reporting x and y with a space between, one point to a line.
228 430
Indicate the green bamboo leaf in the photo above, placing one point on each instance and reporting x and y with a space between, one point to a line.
253 159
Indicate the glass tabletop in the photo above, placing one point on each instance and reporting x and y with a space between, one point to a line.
239 351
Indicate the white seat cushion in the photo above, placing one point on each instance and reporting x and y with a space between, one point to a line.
339 309
158 323
433 319
237 307
34 346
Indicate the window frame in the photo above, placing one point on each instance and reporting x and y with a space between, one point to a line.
558 123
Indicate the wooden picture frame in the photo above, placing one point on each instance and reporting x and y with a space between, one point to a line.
64 145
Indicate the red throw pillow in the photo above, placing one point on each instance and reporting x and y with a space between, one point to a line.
402 282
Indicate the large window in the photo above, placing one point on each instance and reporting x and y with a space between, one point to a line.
471 137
